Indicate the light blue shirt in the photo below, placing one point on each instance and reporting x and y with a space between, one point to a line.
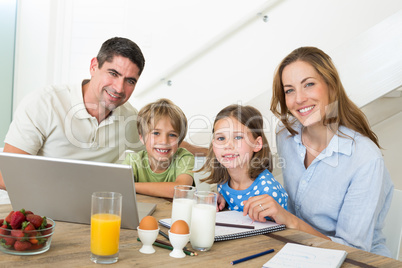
346 191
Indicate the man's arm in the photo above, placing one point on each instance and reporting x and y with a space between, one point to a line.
9 149
195 150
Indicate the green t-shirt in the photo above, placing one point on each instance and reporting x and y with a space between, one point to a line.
182 163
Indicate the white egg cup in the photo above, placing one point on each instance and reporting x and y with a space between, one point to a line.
178 241
147 238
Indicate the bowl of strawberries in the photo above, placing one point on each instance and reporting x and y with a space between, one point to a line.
25 233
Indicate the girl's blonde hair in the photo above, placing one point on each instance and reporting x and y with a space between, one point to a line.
261 160
341 111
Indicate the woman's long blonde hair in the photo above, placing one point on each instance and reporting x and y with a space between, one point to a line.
341 111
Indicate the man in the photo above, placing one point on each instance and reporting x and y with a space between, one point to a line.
92 121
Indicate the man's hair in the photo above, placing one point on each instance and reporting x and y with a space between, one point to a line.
119 46
149 116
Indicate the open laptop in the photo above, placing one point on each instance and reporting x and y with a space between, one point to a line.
61 189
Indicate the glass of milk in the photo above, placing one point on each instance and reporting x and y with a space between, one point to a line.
202 231
183 201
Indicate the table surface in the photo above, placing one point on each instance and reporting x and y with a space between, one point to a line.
71 248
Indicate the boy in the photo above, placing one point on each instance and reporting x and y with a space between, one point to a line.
162 127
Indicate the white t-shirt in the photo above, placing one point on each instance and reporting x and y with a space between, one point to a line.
54 122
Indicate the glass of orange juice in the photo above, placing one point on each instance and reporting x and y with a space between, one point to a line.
105 227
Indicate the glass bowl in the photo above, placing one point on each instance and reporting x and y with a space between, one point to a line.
29 242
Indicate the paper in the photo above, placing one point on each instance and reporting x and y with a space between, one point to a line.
294 255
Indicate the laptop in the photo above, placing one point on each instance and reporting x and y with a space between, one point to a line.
61 189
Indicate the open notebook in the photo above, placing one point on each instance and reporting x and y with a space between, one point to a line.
235 217
301 256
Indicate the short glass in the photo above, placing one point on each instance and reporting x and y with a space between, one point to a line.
183 201
202 231
105 227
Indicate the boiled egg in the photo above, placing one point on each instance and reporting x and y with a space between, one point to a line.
180 227
148 223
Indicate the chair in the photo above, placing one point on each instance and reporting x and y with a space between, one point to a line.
393 225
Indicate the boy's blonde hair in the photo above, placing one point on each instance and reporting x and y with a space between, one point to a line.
149 116
261 160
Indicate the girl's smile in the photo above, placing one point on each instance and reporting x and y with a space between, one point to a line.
233 143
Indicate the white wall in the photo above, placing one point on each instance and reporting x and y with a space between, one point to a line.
215 53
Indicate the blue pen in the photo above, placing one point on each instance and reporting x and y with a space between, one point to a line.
252 256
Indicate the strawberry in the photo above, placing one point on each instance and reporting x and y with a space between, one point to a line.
36 220
27 227
4 230
7 242
8 218
47 229
22 245
19 234
28 212
17 219
33 239
36 246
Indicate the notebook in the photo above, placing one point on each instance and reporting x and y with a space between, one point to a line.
61 189
235 217
300 256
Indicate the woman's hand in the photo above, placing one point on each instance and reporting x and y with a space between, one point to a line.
260 206
221 203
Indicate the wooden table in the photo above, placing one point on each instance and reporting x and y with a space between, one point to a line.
71 248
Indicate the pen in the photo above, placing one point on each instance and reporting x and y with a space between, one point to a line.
234 225
252 256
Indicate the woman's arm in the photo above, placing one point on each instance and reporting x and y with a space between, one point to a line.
261 206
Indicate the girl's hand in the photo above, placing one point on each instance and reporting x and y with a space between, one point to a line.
221 203
258 207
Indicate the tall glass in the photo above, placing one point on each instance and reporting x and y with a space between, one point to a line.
183 201
202 231
105 227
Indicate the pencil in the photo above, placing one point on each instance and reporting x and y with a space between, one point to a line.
252 256
164 234
187 252
234 225
170 245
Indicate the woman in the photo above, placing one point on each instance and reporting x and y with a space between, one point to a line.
334 173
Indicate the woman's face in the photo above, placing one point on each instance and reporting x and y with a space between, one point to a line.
306 92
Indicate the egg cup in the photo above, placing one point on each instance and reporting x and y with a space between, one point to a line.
178 242
147 238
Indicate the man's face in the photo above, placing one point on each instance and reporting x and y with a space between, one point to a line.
113 84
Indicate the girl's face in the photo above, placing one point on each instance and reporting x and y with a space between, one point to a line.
233 143
306 92
161 144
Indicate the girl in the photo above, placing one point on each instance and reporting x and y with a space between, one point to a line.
239 159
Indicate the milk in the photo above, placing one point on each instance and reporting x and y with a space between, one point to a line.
182 209
202 232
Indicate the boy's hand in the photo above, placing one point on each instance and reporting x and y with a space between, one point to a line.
221 203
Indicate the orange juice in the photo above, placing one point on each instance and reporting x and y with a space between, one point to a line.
105 234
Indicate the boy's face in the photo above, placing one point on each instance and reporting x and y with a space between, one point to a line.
161 143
